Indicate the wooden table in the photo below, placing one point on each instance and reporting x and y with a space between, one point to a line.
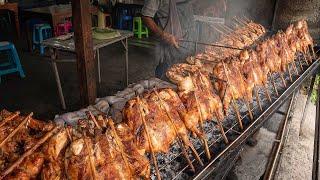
58 13
55 44
13 7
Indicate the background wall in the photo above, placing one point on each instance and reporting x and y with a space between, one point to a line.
293 10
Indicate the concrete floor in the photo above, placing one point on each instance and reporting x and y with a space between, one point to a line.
38 91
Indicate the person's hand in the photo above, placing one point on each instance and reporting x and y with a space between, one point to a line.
170 39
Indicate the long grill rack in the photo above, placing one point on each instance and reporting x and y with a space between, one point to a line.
174 166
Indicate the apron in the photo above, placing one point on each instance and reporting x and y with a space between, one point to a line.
180 23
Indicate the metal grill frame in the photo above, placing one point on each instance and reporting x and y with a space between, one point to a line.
212 166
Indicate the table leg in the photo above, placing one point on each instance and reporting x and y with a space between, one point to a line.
16 17
57 77
127 64
99 65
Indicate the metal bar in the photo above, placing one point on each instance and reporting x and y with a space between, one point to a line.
316 158
213 45
308 101
277 146
99 65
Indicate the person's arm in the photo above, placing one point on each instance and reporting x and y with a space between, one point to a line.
169 38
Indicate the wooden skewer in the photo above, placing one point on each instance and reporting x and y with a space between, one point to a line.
176 131
29 152
240 22
222 132
227 27
295 68
225 34
290 74
249 109
305 59
247 19
282 78
258 99
300 63
91 159
267 92
235 107
119 144
94 120
218 120
68 133
16 129
205 142
7 119
274 85
233 104
183 149
313 53
224 28
309 54
149 139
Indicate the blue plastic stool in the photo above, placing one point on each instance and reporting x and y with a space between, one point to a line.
40 33
13 64
125 21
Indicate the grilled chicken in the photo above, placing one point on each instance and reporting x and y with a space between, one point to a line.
105 155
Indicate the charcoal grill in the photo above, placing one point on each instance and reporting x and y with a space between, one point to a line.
173 165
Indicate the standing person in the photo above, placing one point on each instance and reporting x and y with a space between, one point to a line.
176 22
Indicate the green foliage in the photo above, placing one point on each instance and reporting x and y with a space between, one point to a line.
314 93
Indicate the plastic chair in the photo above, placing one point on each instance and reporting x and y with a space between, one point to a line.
40 33
13 64
63 28
139 29
125 21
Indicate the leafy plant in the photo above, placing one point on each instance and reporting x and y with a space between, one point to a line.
314 93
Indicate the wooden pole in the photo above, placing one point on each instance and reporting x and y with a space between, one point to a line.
84 51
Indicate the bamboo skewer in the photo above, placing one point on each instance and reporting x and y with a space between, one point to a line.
247 19
295 68
91 159
290 74
149 139
305 59
224 28
300 63
184 151
205 142
16 129
309 54
249 110
258 99
29 152
313 53
283 81
274 85
242 21
94 120
218 120
267 92
233 104
222 132
238 21
176 131
238 114
120 145
7 119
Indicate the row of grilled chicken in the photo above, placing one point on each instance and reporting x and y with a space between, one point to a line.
95 149
239 38
236 77
152 122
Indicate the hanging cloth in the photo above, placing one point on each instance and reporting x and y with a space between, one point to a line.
173 25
